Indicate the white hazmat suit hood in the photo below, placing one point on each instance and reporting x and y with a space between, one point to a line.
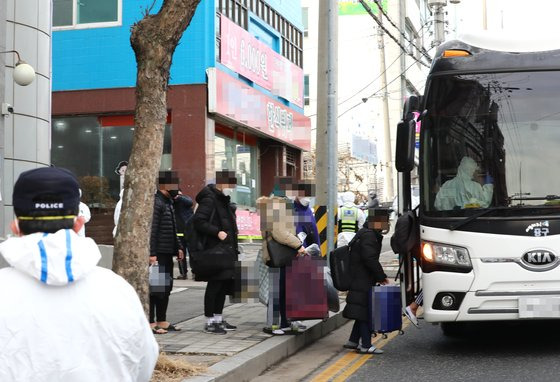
54 259
462 191
66 319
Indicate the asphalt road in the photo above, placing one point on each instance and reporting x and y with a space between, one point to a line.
501 351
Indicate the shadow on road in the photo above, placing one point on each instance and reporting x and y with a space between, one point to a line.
541 336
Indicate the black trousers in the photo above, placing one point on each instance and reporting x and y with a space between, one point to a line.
215 296
360 330
160 299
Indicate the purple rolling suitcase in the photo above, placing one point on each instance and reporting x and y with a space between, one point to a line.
306 292
385 309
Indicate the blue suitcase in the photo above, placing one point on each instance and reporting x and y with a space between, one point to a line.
385 310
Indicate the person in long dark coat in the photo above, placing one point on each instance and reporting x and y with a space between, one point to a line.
164 244
215 221
366 272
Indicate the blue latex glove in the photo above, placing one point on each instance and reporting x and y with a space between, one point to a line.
488 179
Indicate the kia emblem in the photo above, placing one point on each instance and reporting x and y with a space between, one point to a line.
538 257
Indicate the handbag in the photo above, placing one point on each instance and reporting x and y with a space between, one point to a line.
209 261
212 260
280 255
158 280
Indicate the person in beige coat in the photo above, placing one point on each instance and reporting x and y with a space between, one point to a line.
277 220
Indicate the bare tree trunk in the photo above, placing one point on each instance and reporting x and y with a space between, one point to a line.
154 39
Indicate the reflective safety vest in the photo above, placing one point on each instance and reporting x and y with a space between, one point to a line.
348 219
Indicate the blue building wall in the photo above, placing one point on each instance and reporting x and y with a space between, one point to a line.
290 9
101 58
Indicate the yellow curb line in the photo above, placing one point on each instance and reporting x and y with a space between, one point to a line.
351 362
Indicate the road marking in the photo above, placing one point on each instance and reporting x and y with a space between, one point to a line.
177 290
348 364
336 367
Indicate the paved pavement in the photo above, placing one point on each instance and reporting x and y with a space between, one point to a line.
227 354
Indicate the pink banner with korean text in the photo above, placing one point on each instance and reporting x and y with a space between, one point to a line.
248 223
240 102
244 54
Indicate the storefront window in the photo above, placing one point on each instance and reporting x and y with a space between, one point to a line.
234 155
92 148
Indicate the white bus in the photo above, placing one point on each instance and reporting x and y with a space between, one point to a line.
489 176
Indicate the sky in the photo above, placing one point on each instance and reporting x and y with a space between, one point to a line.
531 18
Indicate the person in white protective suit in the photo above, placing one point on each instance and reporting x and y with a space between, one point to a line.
350 219
462 191
117 212
86 213
63 317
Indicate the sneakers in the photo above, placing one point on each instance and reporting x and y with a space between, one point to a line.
298 326
370 350
227 326
411 316
214 328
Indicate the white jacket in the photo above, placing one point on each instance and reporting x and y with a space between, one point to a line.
65 319
348 201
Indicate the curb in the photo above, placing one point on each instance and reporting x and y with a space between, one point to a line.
250 363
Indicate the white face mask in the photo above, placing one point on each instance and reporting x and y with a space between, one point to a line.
304 201
227 191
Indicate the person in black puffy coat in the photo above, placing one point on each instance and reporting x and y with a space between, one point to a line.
215 222
366 272
164 244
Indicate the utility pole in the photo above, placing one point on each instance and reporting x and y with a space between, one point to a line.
386 125
485 16
327 115
439 22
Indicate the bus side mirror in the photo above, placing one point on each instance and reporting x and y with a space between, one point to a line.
404 153
411 104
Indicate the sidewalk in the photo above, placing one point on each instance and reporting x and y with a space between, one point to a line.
245 353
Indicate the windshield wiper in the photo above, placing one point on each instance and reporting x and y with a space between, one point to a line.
547 197
475 216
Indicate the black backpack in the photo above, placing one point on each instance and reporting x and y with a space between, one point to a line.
407 233
339 262
193 238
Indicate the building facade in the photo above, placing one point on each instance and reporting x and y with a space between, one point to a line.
25 117
235 99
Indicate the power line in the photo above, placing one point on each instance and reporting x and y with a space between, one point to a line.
376 78
421 50
368 9
380 74
389 83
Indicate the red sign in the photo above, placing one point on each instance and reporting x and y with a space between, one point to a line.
240 102
244 54
248 223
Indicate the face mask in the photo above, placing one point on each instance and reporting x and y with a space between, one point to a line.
227 191
304 201
291 197
173 193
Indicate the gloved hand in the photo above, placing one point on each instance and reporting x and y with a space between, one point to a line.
488 179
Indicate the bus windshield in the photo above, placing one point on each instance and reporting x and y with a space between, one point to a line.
491 141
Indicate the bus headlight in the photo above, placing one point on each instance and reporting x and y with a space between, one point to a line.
446 254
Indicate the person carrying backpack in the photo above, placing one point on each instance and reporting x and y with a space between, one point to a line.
366 271
215 222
